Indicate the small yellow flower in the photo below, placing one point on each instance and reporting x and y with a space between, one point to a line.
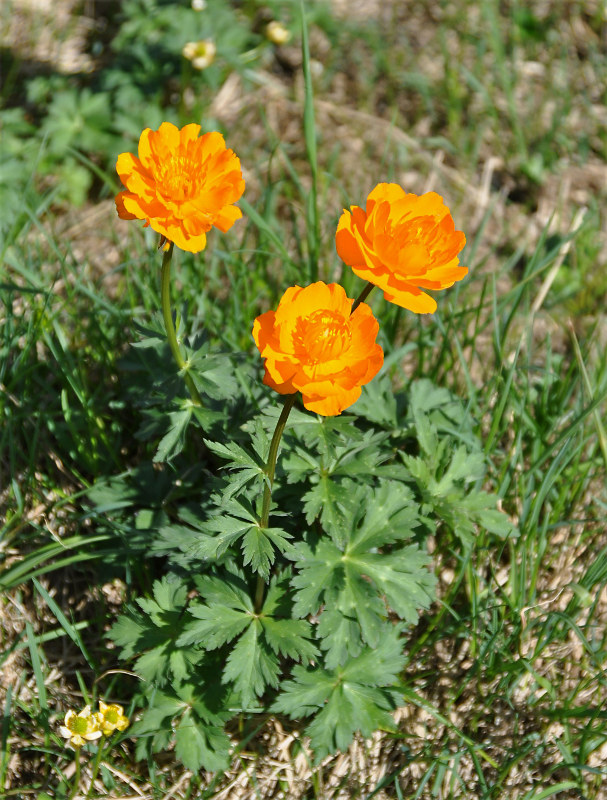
111 718
201 54
80 728
277 33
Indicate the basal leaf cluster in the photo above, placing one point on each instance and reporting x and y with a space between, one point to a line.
309 614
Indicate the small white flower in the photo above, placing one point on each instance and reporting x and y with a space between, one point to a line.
199 5
80 728
201 54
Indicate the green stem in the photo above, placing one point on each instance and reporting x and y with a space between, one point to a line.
76 776
267 492
271 465
96 764
170 328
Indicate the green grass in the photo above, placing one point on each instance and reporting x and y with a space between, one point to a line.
506 672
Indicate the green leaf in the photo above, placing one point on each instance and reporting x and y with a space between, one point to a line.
251 665
298 464
357 584
173 442
227 530
154 665
378 403
230 589
127 631
258 551
257 543
327 499
236 456
290 637
153 633
465 467
350 708
192 712
402 576
229 610
201 746
346 700
340 634
216 625
213 373
317 572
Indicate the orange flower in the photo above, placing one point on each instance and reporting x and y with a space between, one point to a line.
313 344
181 185
402 243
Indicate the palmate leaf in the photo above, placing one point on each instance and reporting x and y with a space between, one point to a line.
245 466
340 633
236 456
378 402
443 476
192 712
358 585
228 612
215 626
229 615
353 698
289 637
258 544
154 634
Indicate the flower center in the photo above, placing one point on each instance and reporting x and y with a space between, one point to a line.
325 336
79 725
177 177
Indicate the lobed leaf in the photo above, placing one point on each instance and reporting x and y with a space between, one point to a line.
346 700
251 665
201 746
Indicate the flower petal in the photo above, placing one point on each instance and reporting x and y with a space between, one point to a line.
402 243
182 184
312 343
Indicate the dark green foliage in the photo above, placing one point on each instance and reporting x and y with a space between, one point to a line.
354 697
345 573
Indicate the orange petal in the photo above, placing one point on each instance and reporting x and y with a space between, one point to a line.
419 303
331 406
227 217
122 212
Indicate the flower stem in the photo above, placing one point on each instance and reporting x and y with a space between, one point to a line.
96 764
76 783
271 465
170 328
362 296
267 492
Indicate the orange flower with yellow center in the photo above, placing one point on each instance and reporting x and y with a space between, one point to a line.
181 185
313 344
403 243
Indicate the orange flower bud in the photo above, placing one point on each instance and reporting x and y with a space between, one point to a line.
313 344
402 243
181 185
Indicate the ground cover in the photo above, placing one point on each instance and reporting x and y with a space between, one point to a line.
501 109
